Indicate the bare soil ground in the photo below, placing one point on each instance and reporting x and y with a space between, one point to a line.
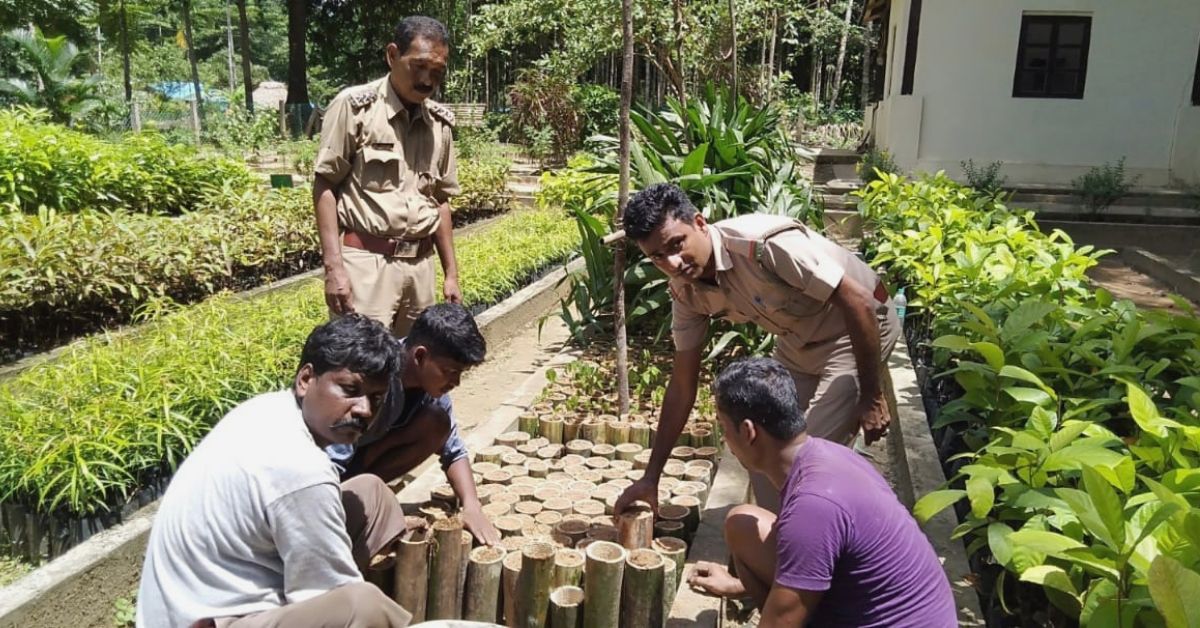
1125 283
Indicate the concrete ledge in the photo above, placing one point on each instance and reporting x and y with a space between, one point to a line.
79 587
1169 239
1181 280
918 471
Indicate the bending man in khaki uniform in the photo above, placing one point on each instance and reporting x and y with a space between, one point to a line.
833 319
384 177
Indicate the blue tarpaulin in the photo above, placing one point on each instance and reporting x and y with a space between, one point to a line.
183 90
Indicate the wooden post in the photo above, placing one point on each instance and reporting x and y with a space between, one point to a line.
443 569
533 585
482 594
196 120
635 526
135 114
625 142
565 604
283 126
641 596
412 569
602 587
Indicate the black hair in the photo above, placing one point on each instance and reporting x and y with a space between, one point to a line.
649 209
763 391
415 26
448 330
355 343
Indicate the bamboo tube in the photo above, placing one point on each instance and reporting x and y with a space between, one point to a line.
512 458
529 449
570 429
464 561
639 433
550 452
412 569
443 569
531 508
545 492
524 491
484 492
559 477
641 593
702 437
537 443
597 462
578 447
604 450
548 518
704 465
490 453
634 475
515 470
610 474
560 505
499 476
668 483
618 432
621 465
594 430
528 423
669 588
672 549
672 512
513 543
591 476
674 469
505 497
627 451
692 504
568 567
642 460
484 467
574 459
512 439
508 582
696 474
482 591
666 529
603 533
610 503
508 525
566 604
653 434
664 496
605 571
684 439
537 468
589 507
533 584
573 529
583 544
635 526
551 428
444 493
699 489
707 453
679 453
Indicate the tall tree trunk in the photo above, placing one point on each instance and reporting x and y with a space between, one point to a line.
191 50
681 84
244 43
774 41
622 201
841 59
734 54
297 57
229 48
864 95
125 54
818 61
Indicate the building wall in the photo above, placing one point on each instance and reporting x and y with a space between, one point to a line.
1137 101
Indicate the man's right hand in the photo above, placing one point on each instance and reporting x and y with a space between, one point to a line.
338 295
643 490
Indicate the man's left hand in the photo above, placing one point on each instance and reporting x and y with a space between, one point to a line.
480 526
450 290
874 418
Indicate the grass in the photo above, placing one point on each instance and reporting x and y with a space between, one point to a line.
12 570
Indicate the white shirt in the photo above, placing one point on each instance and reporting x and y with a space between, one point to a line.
252 520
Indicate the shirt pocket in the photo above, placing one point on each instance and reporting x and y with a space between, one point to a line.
380 170
790 308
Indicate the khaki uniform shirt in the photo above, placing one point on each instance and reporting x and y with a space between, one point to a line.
391 172
772 271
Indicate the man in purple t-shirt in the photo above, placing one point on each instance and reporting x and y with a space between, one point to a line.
843 550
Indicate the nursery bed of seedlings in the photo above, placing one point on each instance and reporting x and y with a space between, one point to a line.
549 488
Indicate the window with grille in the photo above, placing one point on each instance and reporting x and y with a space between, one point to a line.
1052 56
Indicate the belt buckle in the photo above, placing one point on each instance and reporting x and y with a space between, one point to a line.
406 248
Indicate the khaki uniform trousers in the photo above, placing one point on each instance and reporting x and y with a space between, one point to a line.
826 378
374 520
391 290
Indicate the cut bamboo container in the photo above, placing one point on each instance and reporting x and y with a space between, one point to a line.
530 448
561 505
667 529
679 453
603 533
566 604
539 468
604 450
672 549
670 587
597 462
573 529
702 437
499 476
579 447
568 567
707 453
618 432
696 474
589 507
508 525
490 453
605 571
639 433
548 518
570 429
505 497
642 460
641 596
482 591
444 493
512 439
508 582
671 512
512 458
692 503
412 569
443 569
545 492
628 451
528 423
533 585
551 428
594 430
550 452
635 526
515 470
464 561
621 465
532 508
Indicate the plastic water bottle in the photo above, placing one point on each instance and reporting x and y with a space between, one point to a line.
901 302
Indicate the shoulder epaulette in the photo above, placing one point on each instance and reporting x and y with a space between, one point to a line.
441 111
753 247
362 97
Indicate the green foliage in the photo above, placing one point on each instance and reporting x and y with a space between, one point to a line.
575 187
545 115
875 163
81 431
484 183
986 179
47 165
53 86
239 132
599 107
125 611
301 154
1076 478
1103 185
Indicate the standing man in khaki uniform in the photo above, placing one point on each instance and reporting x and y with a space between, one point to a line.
833 319
384 177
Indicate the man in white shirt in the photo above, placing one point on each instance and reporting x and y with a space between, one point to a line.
255 529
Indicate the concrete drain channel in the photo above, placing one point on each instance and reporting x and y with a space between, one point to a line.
549 481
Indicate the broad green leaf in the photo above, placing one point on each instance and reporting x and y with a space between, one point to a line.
1108 505
1051 577
1175 590
1069 431
954 343
998 541
982 496
1089 515
1042 421
991 353
1120 475
694 163
1074 455
1099 606
1043 541
935 502
1016 372
1028 395
1143 411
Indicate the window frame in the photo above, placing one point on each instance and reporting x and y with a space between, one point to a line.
1196 83
1055 22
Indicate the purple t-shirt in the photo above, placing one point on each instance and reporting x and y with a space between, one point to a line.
841 530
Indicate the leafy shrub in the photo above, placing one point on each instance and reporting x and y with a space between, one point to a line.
484 183
1074 483
599 107
43 164
83 431
302 155
544 114
875 162
574 187
238 131
986 179
1103 185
